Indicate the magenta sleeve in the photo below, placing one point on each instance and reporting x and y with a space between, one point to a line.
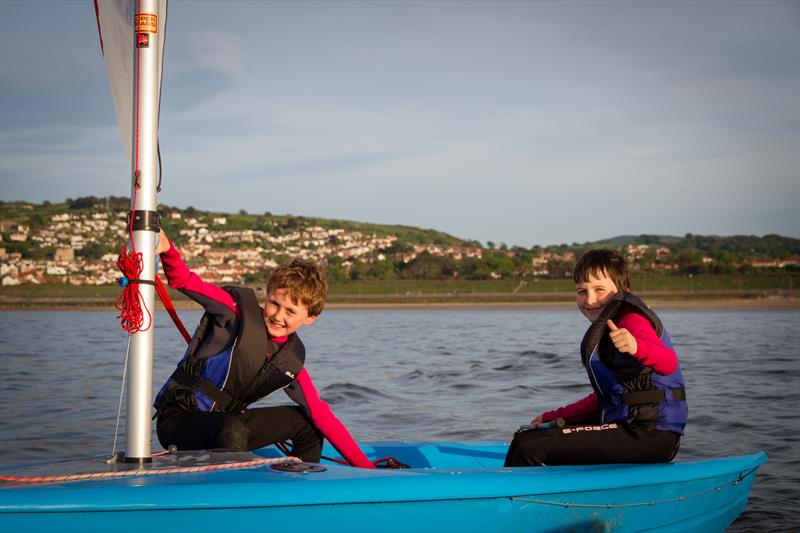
181 278
331 427
574 412
650 351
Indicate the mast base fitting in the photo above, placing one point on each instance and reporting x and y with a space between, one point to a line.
145 221
137 460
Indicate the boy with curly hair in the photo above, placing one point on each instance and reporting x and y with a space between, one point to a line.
241 353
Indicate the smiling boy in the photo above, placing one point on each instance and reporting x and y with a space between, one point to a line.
241 353
637 410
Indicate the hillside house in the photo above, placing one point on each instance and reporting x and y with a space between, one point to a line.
64 255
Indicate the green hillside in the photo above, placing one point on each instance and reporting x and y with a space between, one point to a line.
247 244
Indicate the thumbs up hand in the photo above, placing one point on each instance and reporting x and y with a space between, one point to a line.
622 338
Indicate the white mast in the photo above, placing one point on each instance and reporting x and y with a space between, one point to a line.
132 40
132 36
148 27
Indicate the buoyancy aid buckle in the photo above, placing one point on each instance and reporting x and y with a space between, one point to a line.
225 402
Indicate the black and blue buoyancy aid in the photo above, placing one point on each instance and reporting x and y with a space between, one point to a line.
248 368
626 389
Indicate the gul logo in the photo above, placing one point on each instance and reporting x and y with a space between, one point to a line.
578 429
146 23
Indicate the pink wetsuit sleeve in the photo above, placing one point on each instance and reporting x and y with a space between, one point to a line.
650 350
181 278
574 412
331 427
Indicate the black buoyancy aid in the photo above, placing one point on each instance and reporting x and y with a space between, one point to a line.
627 389
250 366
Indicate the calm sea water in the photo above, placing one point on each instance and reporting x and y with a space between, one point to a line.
431 374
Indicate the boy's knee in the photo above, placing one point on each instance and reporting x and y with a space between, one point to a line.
529 448
234 435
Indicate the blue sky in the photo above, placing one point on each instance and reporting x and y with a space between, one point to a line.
516 122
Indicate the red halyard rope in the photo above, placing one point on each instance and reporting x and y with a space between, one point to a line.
161 290
130 303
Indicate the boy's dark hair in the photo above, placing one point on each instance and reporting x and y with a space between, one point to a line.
603 262
305 282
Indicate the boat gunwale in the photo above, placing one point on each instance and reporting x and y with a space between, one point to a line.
351 485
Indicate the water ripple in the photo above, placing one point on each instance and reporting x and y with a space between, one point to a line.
63 370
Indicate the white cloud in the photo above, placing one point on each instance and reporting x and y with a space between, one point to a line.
522 122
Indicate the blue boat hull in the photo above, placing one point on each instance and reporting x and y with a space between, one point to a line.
451 487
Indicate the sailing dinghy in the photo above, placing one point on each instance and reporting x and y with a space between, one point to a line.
448 486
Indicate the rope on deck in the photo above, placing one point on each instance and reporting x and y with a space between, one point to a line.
142 472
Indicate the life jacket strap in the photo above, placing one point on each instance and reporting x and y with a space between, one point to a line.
224 401
652 396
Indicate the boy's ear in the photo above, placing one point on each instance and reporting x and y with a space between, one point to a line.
310 320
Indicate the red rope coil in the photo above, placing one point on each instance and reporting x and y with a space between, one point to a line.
131 303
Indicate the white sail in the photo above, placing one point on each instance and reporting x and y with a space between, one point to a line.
115 22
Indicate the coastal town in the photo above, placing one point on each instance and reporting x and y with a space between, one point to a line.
81 247
217 254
